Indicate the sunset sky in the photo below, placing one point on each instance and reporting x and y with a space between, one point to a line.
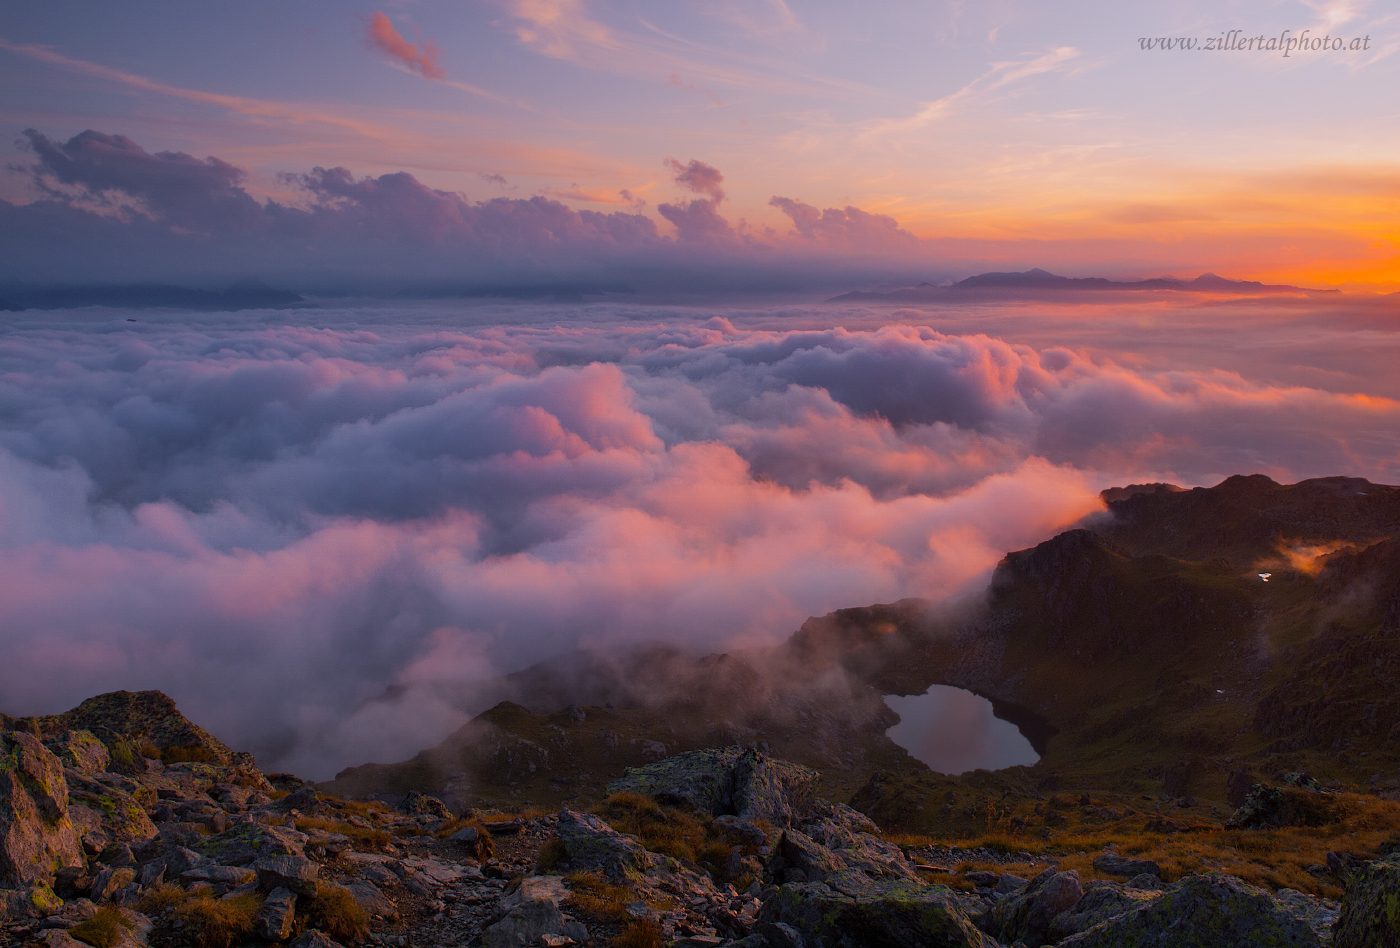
1002 135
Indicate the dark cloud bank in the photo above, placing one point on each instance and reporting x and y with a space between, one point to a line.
107 210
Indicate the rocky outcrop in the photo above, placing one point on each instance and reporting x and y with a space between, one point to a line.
134 726
1370 916
36 836
727 781
1026 917
1301 801
1203 911
591 843
850 908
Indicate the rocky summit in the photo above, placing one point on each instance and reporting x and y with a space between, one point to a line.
1208 676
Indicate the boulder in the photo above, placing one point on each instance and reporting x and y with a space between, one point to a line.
861 849
593 844
276 916
1303 803
297 873
81 751
124 819
1211 910
1026 916
420 804
246 843
369 898
218 875
849 908
798 851
729 780
36 836
108 881
1370 916
35 901
525 924
1116 865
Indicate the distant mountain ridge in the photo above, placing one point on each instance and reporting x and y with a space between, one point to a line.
247 294
1036 280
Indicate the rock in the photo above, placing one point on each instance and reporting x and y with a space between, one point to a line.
1203 911
275 917
369 898
1303 804
732 780
1026 916
467 834
1146 881
81 751
124 819
34 901
181 860
58 938
851 909
524 924
128 720
288 872
798 851
36 836
859 848
1370 915
316 939
246 843
109 881
219 875
420 804
780 935
1116 865
593 844
379 875
1101 901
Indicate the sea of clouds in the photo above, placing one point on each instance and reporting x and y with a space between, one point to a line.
276 516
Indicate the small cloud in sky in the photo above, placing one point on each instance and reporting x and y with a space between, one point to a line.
698 177
381 35
493 178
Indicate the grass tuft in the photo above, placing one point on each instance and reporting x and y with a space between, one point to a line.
104 929
643 933
595 898
375 838
218 923
335 912
161 897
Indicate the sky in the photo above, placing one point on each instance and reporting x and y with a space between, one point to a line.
325 530
939 138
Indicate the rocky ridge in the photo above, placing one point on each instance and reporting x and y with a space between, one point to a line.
154 855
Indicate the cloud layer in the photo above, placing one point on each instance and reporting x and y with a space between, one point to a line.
275 523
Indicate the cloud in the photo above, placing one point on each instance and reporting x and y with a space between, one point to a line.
698 178
381 35
697 222
850 229
276 521
172 186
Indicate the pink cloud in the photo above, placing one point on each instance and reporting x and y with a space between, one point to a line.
698 177
381 35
